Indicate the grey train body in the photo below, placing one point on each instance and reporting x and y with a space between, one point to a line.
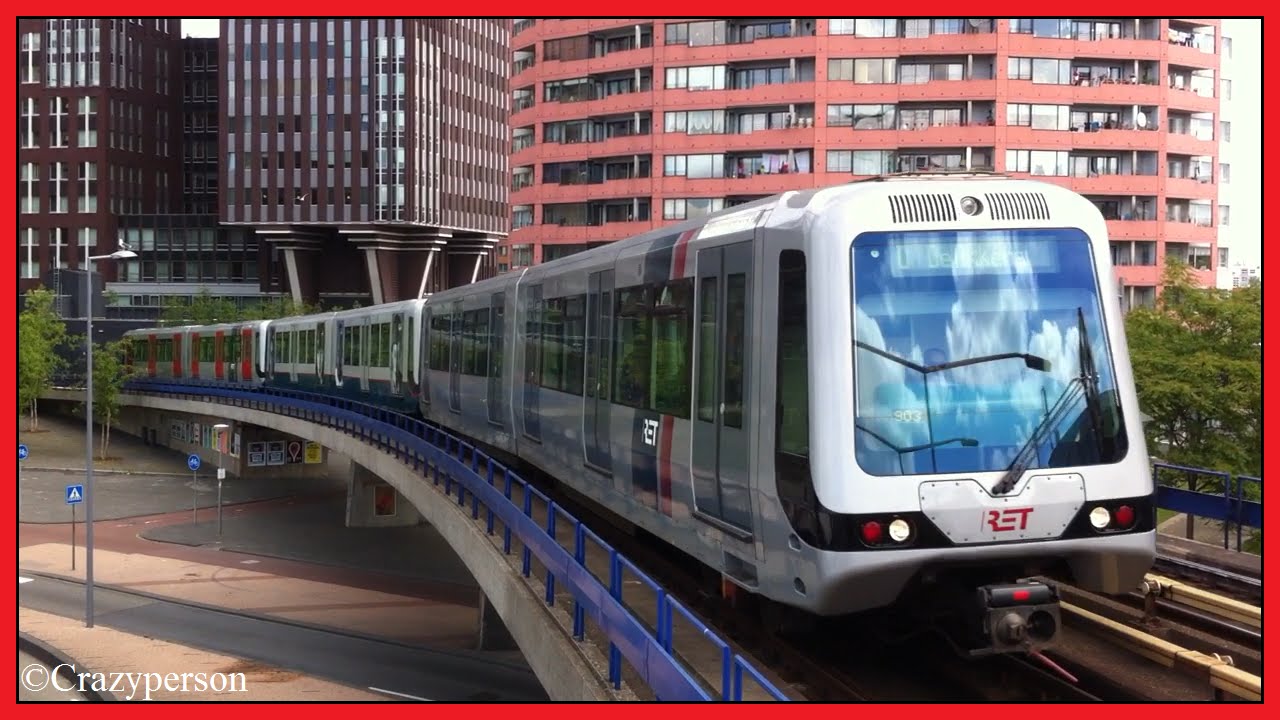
646 375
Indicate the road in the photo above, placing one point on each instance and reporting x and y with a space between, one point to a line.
397 670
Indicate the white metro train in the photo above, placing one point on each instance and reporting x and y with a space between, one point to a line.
908 392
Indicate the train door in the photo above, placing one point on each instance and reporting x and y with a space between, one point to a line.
497 309
721 449
397 347
246 354
596 395
193 348
269 356
365 352
343 348
151 355
219 367
532 362
427 360
455 357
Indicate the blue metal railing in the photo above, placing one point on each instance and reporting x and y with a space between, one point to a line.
491 487
1212 495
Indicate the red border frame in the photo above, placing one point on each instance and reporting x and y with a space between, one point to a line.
8 271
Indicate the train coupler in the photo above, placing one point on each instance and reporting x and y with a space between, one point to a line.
1016 617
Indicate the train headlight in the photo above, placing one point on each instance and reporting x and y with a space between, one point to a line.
871 532
1099 518
970 205
899 530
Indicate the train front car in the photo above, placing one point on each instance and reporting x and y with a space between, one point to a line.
974 415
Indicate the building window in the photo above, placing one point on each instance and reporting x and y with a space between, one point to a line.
29 64
30 267
1224 173
689 208
1226 131
860 162
58 122
88 111
29 124
841 26
87 202
872 71
1224 215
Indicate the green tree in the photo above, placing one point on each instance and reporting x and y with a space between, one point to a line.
41 333
1197 362
203 309
109 376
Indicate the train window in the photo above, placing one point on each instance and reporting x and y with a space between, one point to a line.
440 341
380 345
792 431
480 341
140 351
672 317
495 335
633 358
734 347
553 344
573 339
709 338
533 336
206 349
164 350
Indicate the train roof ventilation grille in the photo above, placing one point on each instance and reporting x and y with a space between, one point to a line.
1018 206
922 208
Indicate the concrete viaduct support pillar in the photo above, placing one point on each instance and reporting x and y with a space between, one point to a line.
372 502
492 633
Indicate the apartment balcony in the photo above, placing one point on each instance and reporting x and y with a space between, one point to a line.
762 184
848 92
980 43
1190 188
1185 99
614 146
608 105
1026 138
1133 229
613 62
972 135
1143 185
799 93
1189 56
569 234
1139 274
761 49
626 187
793 137
1190 232
1188 144
1127 94
1023 45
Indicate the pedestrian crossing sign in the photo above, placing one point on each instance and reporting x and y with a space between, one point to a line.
75 494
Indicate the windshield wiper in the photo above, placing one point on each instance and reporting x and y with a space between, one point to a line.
1085 383
1035 362
965 441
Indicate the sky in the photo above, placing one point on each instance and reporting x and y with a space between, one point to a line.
1243 111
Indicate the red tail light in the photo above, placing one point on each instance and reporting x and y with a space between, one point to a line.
1124 516
871 532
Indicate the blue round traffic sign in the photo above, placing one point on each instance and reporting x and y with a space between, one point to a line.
22 452
193 462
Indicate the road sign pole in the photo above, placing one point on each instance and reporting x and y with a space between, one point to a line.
73 538
195 500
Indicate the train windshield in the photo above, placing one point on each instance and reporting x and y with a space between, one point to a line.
968 350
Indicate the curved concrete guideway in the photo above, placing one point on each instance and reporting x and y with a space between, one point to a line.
567 669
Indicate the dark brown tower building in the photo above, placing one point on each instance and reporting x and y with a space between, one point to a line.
99 123
368 155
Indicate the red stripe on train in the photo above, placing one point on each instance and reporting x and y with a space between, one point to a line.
681 254
664 463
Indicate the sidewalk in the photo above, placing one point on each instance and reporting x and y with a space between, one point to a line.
103 650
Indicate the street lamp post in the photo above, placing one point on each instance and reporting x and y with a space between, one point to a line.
123 253
217 438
